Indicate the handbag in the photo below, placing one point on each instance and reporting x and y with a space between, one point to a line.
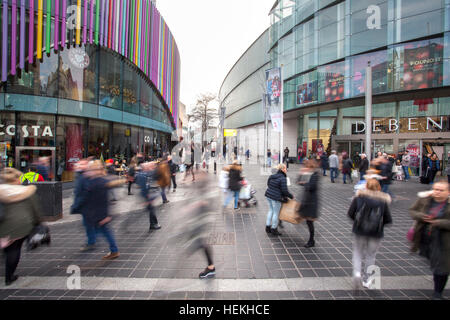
39 235
410 233
289 212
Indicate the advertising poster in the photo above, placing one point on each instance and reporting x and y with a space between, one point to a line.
306 93
423 65
414 152
378 62
334 82
74 145
276 121
274 86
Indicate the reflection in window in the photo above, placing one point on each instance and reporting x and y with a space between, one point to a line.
98 139
146 99
110 77
7 138
131 81
78 74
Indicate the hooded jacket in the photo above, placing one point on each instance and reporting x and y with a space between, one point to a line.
235 178
368 202
21 209
277 187
440 258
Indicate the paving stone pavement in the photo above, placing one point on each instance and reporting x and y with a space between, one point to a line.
250 264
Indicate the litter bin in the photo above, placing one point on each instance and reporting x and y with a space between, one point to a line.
50 199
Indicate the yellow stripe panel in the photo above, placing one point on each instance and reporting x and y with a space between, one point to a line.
78 33
40 29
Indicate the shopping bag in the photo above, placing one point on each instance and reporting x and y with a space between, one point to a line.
289 212
355 175
245 194
182 168
409 171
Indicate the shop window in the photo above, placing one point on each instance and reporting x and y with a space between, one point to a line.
70 146
121 142
78 74
146 99
131 81
379 64
7 138
36 130
98 141
110 94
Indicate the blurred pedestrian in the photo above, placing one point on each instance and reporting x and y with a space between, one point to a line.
370 212
147 182
432 232
111 171
448 167
234 184
163 173
286 157
347 167
43 168
309 208
31 176
324 164
21 213
131 173
269 158
173 173
277 192
334 164
433 167
363 166
356 160
405 161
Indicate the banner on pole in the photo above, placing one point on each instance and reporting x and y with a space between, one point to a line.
274 88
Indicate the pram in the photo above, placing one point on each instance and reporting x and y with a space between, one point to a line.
246 195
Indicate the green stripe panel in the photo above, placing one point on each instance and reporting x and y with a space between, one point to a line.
48 26
97 20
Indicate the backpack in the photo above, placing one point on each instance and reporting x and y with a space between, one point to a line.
369 221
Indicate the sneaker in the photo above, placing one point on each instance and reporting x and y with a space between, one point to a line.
280 224
174 190
310 244
155 227
10 281
268 229
207 273
111 256
167 201
275 232
88 247
237 209
437 296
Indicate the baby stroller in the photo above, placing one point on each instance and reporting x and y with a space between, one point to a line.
246 195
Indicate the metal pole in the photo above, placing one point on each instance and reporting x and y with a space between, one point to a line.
282 115
265 131
369 112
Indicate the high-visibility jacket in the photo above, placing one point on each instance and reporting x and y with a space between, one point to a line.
32 177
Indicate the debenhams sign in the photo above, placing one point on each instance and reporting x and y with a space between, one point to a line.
26 131
394 125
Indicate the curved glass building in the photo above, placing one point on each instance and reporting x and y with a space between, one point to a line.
85 78
323 48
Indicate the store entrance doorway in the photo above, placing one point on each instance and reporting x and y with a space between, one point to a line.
441 148
37 159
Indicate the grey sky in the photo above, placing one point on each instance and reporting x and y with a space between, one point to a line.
211 36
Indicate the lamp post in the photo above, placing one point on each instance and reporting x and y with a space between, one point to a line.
369 112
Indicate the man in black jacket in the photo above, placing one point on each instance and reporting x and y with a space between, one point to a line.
173 172
276 193
363 166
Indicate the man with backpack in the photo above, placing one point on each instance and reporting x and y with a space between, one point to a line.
173 172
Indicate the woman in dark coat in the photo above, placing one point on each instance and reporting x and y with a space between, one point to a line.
309 207
234 184
347 166
21 212
324 163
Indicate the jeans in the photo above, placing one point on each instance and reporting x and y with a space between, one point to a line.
273 214
364 249
439 282
324 172
344 177
90 237
12 254
230 196
406 171
92 230
333 173
152 215
174 182
163 194
269 162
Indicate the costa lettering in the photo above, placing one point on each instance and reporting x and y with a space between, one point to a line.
26 131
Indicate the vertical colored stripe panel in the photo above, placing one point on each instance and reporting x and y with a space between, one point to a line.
13 37
147 32
78 24
91 22
120 17
108 39
113 25
56 27
117 24
97 20
132 31
48 26
136 54
22 34
85 21
39 30
31 33
63 24
5 41
127 27
102 22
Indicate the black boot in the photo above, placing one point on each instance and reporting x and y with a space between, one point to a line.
267 229
275 232
310 244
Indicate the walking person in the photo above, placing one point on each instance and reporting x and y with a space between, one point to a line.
334 164
432 232
309 209
347 166
173 173
448 167
234 184
406 159
146 180
370 212
324 163
164 177
94 200
21 213
269 158
363 166
277 192
131 173
286 157
433 166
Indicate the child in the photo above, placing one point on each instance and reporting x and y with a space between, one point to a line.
399 174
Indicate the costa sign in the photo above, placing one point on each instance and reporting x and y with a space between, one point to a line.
26 131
